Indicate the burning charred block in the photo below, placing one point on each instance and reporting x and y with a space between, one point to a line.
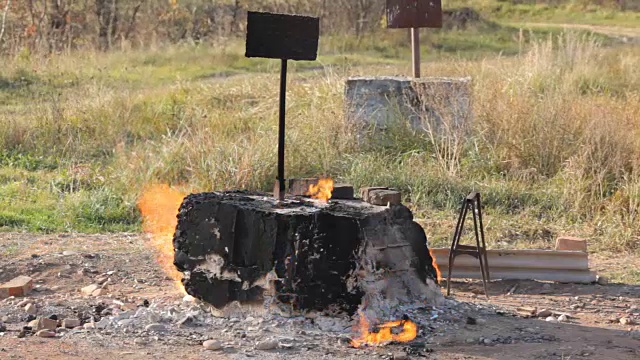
237 246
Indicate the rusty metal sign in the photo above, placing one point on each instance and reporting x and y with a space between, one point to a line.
406 14
282 36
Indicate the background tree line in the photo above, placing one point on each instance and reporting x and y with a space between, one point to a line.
55 25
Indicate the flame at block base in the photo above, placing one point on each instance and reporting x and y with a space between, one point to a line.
237 246
384 333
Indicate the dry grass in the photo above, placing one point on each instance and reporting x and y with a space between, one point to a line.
554 148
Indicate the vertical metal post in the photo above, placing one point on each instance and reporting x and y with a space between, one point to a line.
281 129
415 50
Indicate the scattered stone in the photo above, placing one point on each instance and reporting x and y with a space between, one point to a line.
212 345
186 321
487 341
627 321
33 323
70 323
98 292
544 313
400 356
31 309
481 321
563 318
23 303
267 345
527 311
141 342
19 286
88 290
3 328
156 328
102 324
44 333
68 253
46 324
471 320
551 319
602 280
471 341
89 326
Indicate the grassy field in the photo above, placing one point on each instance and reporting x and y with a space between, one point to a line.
555 145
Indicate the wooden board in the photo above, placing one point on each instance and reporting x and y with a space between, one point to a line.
281 36
405 14
543 265
565 276
530 259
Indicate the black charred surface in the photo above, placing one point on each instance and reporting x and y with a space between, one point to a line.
312 249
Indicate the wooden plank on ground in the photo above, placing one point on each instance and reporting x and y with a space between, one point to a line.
566 276
530 259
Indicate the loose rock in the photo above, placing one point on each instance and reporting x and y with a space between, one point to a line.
3 328
627 321
400 356
31 309
267 345
88 290
563 318
24 303
44 333
45 323
212 345
156 328
551 319
544 313
70 323
98 292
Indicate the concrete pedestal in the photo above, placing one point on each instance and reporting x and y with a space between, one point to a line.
426 104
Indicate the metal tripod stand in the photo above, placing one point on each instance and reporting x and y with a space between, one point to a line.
471 202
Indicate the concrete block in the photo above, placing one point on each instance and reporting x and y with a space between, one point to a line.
428 104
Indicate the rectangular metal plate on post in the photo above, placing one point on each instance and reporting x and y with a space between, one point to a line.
407 14
282 36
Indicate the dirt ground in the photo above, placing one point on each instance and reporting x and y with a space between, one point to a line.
593 331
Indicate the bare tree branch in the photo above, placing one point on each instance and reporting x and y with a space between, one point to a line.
4 18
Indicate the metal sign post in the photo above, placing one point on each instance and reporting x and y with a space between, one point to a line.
414 14
284 37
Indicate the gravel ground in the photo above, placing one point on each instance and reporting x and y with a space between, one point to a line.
138 313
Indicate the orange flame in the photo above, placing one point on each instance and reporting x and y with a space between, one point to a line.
385 333
435 266
321 191
159 205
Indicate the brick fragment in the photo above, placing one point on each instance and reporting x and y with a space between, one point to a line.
568 243
384 197
365 191
19 286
